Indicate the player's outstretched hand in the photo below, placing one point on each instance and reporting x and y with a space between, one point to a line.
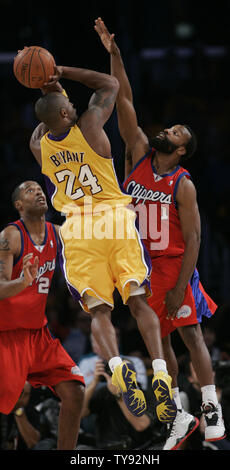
30 270
107 39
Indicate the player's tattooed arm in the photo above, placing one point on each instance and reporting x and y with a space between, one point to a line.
103 99
99 110
4 244
2 269
10 246
106 88
6 255
4 247
102 104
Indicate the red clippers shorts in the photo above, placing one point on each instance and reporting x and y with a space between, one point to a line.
35 356
196 303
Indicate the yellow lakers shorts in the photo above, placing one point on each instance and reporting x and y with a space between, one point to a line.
101 252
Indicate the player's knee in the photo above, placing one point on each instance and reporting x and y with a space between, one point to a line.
139 308
136 304
101 309
101 315
71 393
192 336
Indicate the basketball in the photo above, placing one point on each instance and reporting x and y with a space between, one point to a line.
33 66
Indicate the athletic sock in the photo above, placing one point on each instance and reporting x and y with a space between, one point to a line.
176 396
113 362
209 395
159 365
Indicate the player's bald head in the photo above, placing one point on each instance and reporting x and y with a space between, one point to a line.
48 107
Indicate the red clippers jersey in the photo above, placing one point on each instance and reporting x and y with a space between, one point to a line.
154 200
27 309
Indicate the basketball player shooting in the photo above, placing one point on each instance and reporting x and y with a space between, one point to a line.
74 153
178 297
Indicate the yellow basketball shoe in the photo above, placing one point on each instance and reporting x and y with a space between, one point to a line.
166 408
124 377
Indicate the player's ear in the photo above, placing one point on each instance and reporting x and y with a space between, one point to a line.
18 205
63 113
181 150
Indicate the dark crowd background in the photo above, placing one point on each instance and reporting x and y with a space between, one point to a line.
176 54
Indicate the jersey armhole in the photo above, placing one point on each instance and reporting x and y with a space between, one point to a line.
22 242
185 173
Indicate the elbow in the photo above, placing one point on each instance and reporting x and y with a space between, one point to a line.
114 83
193 239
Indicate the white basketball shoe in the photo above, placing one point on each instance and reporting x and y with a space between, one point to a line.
214 424
177 432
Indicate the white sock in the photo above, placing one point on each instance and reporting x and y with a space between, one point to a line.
114 361
209 394
176 396
159 364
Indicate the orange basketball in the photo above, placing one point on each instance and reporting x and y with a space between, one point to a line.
33 66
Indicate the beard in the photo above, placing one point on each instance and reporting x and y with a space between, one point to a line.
162 143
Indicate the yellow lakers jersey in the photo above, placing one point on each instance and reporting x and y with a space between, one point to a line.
78 179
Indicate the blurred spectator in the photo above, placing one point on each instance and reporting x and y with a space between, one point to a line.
21 429
33 423
49 412
76 343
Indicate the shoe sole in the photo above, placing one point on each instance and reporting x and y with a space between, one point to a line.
189 432
216 438
133 397
166 409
